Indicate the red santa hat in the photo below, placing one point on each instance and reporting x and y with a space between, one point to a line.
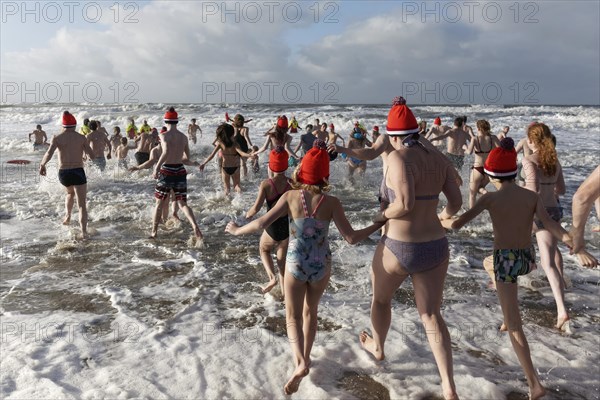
314 168
68 120
278 159
401 120
376 128
502 161
437 121
282 122
171 116
331 126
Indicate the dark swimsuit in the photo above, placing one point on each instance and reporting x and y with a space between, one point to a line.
72 177
280 229
241 141
480 169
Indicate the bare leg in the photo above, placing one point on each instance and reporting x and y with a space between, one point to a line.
156 218
384 285
309 314
295 292
597 206
281 254
81 193
69 200
474 185
507 294
236 179
266 245
548 246
226 185
187 211
175 207
244 168
429 286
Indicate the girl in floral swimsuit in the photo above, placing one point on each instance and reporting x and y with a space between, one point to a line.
308 260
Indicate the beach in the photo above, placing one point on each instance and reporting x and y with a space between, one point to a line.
121 316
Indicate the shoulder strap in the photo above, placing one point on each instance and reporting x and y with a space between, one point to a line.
318 205
274 187
304 203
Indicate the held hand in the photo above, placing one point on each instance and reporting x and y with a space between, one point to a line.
201 166
578 241
380 218
155 174
108 156
447 223
231 228
332 147
43 170
131 169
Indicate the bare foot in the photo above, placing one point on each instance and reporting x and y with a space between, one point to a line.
83 236
562 323
176 217
270 285
369 345
197 232
537 393
503 327
292 385
449 393
67 220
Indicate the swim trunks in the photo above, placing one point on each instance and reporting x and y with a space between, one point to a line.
72 177
100 162
456 160
141 158
510 264
39 146
171 177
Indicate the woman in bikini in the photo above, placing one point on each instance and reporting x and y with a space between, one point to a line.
231 152
276 235
543 175
358 140
308 260
278 136
483 140
414 243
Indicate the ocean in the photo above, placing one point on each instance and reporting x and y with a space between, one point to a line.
121 316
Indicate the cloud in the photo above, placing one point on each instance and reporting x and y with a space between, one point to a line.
178 52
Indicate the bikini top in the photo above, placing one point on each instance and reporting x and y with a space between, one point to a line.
480 150
271 201
387 195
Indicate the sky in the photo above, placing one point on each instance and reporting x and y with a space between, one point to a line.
326 52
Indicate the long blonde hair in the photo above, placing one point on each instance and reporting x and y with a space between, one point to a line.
540 135
314 189
484 127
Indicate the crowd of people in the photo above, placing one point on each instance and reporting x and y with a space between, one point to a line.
413 231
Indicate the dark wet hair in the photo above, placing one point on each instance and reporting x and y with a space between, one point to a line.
117 129
93 125
464 118
458 121
225 134
38 127
86 121
123 140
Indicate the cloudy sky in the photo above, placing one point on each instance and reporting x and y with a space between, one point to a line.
301 51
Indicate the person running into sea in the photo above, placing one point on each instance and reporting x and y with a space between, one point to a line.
321 132
512 210
115 139
414 243
275 236
71 146
543 175
306 141
171 174
242 138
358 140
144 144
437 130
145 128
423 128
456 139
333 136
193 128
121 152
586 196
522 146
308 261
375 133
99 143
278 136
40 140
481 145
231 152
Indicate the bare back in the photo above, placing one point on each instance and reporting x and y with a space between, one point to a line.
456 139
98 142
174 145
70 145
547 186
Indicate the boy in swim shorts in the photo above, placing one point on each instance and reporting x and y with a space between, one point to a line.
512 209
